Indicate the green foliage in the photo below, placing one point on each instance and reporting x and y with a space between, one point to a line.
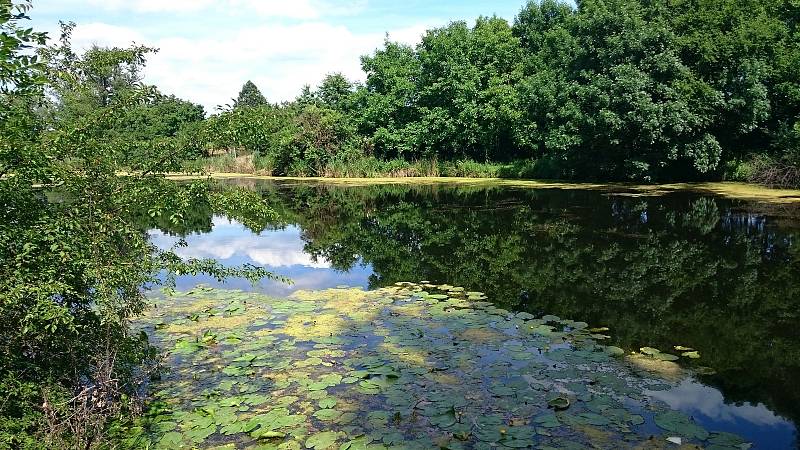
19 71
334 92
389 107
633 90
256 129
163 116
249 97
322 134
294 140
80 84
453 97
611 89
75 259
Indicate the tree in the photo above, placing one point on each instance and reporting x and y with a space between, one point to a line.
743 49
467 97
335 92
163 116
389 108
79 84
250 97
19 71
624 106
75 260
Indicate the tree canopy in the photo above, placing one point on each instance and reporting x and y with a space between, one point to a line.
249 97
633 90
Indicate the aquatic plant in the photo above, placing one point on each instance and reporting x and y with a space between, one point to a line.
410 366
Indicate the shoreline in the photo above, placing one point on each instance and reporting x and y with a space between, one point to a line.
732 190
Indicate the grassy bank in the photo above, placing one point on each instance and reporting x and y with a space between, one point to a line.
760 170
369 167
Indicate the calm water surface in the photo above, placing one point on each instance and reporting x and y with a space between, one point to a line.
718 275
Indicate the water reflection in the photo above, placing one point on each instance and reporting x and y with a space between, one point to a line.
281 251
708 406
717 275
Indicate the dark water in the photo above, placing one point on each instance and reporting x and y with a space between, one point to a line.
718 275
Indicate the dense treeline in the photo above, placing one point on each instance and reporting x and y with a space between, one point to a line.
611 89
636 90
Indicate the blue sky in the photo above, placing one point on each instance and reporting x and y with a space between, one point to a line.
209 48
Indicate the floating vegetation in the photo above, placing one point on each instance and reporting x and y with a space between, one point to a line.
661 356
726 189
413 366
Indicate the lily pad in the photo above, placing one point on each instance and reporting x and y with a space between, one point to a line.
559 403
394 368
327 402
679 423
327 415
665 357
322 441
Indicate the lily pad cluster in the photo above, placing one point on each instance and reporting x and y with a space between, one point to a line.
655 353
412 366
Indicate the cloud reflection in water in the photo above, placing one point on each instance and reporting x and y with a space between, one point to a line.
280 251
707 405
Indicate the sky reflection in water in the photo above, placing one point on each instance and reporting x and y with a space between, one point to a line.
708 407
280 251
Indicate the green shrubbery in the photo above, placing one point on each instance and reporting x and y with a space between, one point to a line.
608 90
75 258
356 166
288 140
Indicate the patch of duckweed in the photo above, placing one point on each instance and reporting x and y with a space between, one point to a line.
722 189
412 366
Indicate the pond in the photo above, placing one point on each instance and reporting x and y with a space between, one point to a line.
680 269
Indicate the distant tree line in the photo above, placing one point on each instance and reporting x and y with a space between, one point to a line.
638 90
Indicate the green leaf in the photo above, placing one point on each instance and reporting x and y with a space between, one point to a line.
650 351
322 441
559 403
665 357
679 423
327 415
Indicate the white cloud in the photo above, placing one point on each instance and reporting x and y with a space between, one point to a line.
279 57
152 5
103 34
295 9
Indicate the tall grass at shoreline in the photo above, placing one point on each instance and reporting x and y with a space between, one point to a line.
367 167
